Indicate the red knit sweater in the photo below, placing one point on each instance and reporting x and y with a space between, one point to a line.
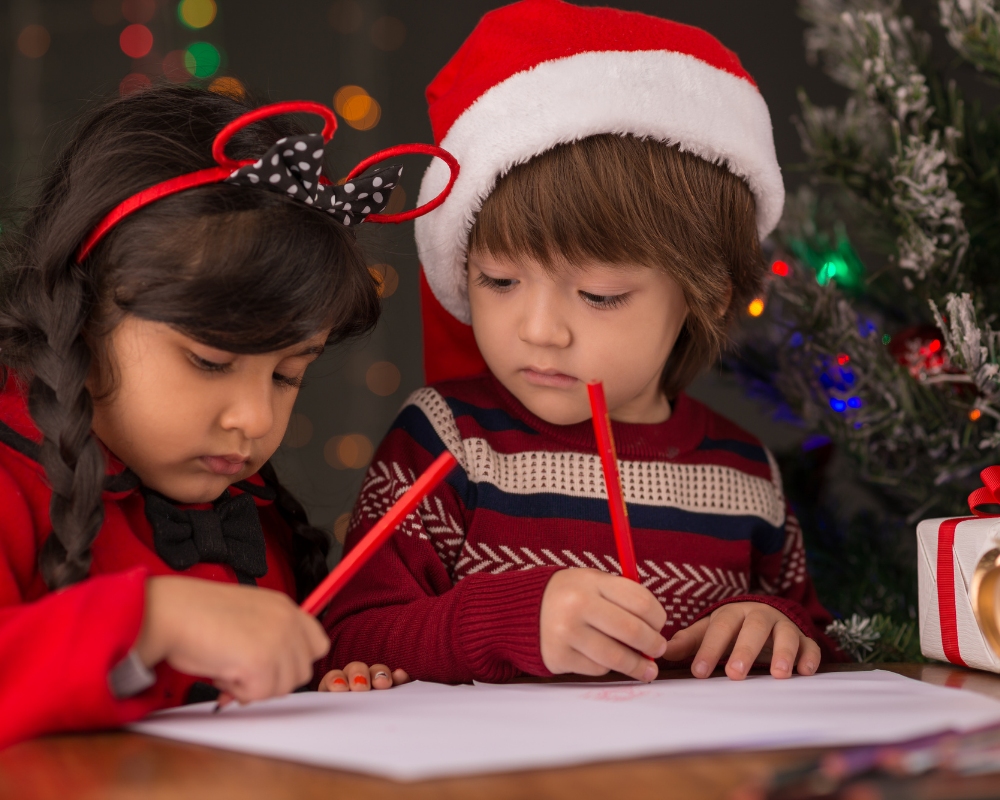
58 648
455 594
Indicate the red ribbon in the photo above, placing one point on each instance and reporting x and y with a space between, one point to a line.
988 493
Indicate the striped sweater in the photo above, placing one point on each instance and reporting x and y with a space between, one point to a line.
455 594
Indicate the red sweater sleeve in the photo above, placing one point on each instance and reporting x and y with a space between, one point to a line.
56 650
402 609
782 582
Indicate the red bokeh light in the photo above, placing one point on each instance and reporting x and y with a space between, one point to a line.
174 69
779 268
136 41
133 83
843 358
139 10
934 346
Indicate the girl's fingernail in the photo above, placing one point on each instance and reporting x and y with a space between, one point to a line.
361 679
809 667
700 669
381 674
781 665
651 672
339 682
737 665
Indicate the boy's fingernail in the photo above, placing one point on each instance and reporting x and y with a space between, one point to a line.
361 679
809 667
651 672
737 665
781 665
381 675
700 669
339 682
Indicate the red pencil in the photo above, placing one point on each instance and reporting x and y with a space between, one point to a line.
374 539
353 561
616 502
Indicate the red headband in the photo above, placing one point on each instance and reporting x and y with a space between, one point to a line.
227 166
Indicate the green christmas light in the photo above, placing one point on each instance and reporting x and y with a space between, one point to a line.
202 60
832 261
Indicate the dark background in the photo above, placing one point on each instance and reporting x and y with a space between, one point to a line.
307 49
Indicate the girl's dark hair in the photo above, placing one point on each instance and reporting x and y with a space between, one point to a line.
239 269
622 199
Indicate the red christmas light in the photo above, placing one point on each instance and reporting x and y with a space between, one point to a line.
779 268
843 358
136 41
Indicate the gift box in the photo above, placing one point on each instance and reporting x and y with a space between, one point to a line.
959 574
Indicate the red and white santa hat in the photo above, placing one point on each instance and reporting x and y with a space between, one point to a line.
539 73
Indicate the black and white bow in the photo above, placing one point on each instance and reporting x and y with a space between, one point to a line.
294 166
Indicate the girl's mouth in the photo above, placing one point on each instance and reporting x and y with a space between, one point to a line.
225 465
548 377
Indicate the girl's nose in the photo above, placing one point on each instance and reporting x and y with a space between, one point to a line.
250 410
543 322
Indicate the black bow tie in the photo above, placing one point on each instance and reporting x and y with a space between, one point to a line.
228 533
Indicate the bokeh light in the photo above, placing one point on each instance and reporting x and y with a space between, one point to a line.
975 414
299 431
345 16
357 107
106 12
340 527
139 10
886 339
779 268
383 378
353 451
196 13
34 41
843 358
756 307
388 33
387 277
136 40
173 67
202 60
133 83
231 87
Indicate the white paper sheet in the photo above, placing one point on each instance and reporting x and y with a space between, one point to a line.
425 730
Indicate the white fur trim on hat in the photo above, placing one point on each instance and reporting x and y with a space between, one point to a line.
667 96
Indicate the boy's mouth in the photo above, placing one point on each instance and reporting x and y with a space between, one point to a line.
548 377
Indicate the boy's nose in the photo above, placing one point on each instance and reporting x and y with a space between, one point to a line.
250 411
542 323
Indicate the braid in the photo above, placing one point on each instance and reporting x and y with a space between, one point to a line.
62 408
310 545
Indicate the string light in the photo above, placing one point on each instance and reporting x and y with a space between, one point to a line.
133 83
34 41
756 307
779 268
196 13
357 107
231 87
136 41
975 414
353 451
843 358
886 339
383 378
202 60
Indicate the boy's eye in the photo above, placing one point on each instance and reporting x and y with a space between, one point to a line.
208 366
605 300
497 284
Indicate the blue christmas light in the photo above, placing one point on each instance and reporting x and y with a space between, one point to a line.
796 339
854 402
837 404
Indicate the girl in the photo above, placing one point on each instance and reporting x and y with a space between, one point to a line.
618 175
158 311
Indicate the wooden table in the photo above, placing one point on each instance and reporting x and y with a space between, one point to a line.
120 766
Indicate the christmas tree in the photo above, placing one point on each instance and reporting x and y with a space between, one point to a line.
875 332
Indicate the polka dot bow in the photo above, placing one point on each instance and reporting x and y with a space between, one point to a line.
294 166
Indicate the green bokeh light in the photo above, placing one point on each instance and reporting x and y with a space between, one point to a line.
202 60
834 260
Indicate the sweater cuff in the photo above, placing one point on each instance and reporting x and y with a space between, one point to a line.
498 623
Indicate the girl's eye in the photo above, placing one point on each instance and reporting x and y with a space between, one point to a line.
496 284
287 381
606 300
208 366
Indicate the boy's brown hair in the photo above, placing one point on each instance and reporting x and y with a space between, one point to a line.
621 199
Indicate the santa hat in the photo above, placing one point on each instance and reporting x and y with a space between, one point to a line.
540 73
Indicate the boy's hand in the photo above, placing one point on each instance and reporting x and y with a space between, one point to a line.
760 632
359 677
593 622
252 643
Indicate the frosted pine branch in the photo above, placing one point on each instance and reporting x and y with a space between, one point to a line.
856 636
973 29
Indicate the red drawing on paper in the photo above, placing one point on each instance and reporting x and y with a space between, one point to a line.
618 694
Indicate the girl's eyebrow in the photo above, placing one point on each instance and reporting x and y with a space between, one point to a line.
314 350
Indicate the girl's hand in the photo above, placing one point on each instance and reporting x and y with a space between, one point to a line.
593 622
253 643
760 633
359 677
